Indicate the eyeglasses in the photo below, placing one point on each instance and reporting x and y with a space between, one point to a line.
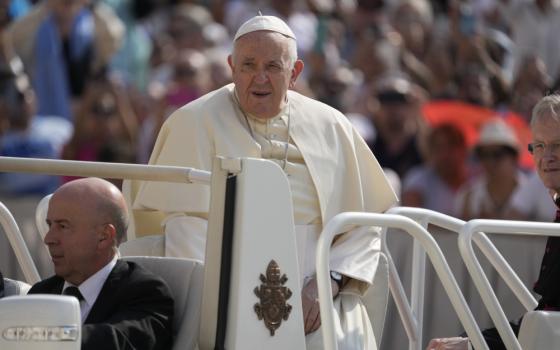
538 148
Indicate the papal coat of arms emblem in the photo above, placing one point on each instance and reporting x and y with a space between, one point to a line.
272 293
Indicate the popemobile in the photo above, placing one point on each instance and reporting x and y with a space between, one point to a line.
246 294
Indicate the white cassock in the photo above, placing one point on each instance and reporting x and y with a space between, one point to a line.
330 170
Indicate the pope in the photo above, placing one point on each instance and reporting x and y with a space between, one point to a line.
330 170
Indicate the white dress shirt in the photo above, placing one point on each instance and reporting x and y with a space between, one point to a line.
91 287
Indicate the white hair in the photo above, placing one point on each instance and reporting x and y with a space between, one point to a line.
548 106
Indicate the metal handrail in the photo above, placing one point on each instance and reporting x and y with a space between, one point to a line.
412 313
106 170
336 225
496 259
472 230
504 269
404 309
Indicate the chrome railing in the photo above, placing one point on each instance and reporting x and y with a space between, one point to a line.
472 230
335 226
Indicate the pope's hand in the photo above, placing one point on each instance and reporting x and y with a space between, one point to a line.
455 343
310 301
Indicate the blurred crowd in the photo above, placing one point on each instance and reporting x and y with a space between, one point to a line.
441 90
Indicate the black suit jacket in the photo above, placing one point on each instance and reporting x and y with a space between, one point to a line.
134 310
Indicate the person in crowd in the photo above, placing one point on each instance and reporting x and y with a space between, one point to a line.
186 24
25 134
545 147
475 86
534 25
376 55
105 126
413 19
10 10
489 195
132 60
440 62
398 122
529 85
434 184
122 305
189 79
329 166
62 45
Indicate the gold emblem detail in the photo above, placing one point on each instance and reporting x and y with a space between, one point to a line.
272 293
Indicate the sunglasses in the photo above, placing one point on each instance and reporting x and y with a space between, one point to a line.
492 154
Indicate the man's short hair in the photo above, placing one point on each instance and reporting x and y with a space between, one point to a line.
117 217
548 106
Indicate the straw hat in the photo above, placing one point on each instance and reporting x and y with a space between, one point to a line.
497 133
268 23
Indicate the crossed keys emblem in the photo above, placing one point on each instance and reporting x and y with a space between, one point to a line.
272 293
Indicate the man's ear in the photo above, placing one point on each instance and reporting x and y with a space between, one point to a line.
296 71
107 237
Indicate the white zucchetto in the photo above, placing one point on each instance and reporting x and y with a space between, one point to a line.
268 23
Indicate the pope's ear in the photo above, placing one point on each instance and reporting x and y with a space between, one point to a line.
296 71
230 62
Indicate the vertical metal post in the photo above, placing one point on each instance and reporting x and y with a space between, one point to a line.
417 285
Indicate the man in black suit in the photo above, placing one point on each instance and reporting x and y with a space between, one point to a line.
123 306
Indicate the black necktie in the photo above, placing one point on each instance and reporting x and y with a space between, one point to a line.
73 291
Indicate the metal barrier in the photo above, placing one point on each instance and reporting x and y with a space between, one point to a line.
472 230
335 226
106 170
411 313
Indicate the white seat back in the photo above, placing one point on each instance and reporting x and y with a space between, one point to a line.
185 279
40 322
153 245
41 215
540 330
14 287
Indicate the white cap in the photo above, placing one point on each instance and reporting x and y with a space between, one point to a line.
497 132
268 23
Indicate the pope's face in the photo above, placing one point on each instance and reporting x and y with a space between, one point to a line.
262 73
547 131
